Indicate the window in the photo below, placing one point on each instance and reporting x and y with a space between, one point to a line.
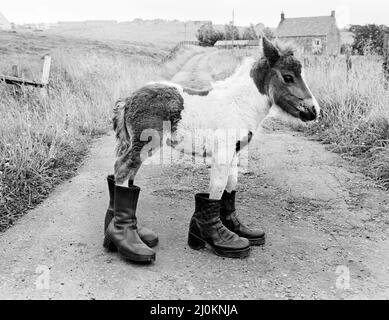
317 42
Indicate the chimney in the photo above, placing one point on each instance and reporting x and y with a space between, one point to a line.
333 13
282 16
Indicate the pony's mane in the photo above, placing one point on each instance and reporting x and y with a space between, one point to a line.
286 48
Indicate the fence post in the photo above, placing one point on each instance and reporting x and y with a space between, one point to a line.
386 53
46 70
45 75
349 63
15 71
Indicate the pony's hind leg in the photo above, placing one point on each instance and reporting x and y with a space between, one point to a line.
126 196
127 166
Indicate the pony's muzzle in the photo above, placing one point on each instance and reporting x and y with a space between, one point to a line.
309 111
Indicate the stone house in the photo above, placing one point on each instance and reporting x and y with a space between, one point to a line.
313 35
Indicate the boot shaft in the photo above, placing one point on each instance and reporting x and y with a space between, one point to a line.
111 189
125 204
207 210
228 203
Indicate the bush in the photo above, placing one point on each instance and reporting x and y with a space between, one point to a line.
249 33
231 32
368 38
208 36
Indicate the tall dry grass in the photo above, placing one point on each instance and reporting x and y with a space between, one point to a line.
355 107
43 139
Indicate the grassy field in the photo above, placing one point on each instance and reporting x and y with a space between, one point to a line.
26 46
44 139
161 32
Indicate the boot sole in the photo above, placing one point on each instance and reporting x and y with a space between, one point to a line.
111 247
257 242
136 258
196 243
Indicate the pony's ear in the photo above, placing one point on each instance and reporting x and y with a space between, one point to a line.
270 52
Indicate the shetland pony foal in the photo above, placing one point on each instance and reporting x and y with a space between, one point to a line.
239 103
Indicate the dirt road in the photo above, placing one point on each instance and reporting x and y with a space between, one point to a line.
327 232
204 68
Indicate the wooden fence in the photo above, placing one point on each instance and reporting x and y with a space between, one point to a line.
178 46
19 80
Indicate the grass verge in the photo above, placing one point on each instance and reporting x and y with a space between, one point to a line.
355 104
44 139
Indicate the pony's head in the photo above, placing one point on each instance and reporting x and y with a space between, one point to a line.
279 75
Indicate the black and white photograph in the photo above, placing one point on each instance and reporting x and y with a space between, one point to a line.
210 151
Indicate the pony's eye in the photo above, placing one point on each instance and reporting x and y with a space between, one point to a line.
288 78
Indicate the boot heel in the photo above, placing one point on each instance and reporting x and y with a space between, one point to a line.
195 242
109 245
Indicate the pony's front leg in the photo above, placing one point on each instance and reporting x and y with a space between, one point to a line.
206 226
228 213
232 181
222 162
219 178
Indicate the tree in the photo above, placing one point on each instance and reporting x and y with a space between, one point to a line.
368 38
208 36
269 33
250 33
231 32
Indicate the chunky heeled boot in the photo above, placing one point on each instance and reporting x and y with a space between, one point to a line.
206 227
148 236
231 221
121 233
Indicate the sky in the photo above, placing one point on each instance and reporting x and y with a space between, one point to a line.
218 11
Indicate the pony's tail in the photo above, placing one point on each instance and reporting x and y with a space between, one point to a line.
120 128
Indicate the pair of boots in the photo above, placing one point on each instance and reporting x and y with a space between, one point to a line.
120 226
216 223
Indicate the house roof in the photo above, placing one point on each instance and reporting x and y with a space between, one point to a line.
4 22
307 26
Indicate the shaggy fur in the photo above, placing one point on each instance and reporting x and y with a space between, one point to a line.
146 109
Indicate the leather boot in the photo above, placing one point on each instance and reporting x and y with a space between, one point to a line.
231 221
122 231
148 236
206 227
